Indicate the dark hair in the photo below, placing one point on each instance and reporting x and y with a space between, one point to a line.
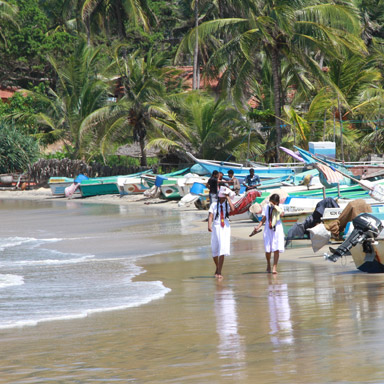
214 173
251 170
275 198
226 209
230 172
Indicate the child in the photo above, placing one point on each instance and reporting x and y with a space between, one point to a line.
218 224
273 232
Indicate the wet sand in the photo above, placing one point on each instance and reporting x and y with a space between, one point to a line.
305 325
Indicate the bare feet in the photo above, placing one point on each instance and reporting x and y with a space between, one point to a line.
220 277
268 270
274 271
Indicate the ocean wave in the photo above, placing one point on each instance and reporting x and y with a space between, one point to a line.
161 291
81 259
11 242
10 280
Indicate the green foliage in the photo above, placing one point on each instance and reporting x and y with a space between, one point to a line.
20 104
261 115
29 42
208 128
125 161
259 49
17 150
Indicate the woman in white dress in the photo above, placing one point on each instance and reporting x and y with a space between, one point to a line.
273 232
218 225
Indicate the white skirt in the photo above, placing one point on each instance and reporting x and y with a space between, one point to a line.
221 240
274 240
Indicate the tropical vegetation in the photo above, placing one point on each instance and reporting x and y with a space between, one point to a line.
222 79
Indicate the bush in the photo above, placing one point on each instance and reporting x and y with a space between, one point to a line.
17 150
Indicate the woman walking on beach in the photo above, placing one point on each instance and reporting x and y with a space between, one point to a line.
218 225
273 232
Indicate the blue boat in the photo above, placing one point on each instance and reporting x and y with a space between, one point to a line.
240 171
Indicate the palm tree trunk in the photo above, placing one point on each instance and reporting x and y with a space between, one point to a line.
143 161
196 77
277 96
341 128
120 23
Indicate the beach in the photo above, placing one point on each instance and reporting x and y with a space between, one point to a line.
315 322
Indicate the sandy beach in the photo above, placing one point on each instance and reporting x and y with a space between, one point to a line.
297 327
240 230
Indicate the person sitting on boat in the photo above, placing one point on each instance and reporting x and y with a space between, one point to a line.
213 186
251 181
233 182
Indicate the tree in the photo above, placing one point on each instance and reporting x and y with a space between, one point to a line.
286 31
145 83
209 128
136 12
24 60
8 13
17 150
353 92
80 91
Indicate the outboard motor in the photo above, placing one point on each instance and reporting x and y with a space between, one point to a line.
366 229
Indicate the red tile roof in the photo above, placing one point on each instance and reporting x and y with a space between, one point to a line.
205 83
6 94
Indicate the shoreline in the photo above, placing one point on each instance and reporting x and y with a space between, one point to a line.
300 251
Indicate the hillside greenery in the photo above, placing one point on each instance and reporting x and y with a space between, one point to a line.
98 74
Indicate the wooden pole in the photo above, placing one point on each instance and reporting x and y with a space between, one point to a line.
196 72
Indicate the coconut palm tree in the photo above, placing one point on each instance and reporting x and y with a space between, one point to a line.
285 31
209 128
146 82
353 92
8 13
80 91
137 12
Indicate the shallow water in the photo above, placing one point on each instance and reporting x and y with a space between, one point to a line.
310 324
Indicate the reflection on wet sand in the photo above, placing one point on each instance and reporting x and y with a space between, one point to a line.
279 313
231 345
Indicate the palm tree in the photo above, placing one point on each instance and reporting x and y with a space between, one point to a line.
285 30
7 13
80 91
209 128
353 91
114 11
146 83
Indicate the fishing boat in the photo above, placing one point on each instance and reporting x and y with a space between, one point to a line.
198 190
150 180
240 171
131 185
110 185
169 189
184 184
99 186
58 184
178 186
